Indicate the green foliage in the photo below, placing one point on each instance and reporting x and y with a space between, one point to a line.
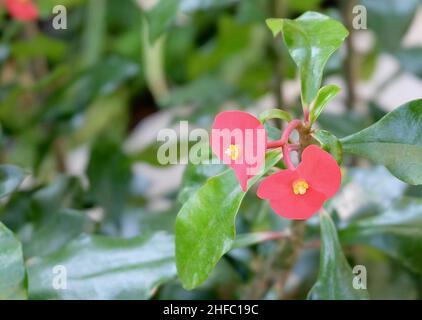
397 232
311 39
10 178
99 267
330 143
325 94
335 279
12 268
205 226
394 141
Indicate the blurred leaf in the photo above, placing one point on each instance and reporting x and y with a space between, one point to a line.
109 173
205 226
390 19
410 59
343 124
190 6
275 114
57 232
329 143
325 95
335 279
12 268
99 267
39 46
160 17
195 176
311 39
200 92
394 142
10 179
250 239
100 80
397 232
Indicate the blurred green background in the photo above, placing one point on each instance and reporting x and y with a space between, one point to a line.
80 110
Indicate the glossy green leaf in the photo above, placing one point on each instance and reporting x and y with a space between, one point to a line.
311 39
205 226
397 232
275 114
10 179
325 95
390 19
329 143
99 267
12 268
394 141
335 278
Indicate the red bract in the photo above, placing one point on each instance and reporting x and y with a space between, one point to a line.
300 193
23 10
239 140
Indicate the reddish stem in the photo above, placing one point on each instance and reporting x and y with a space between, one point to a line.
285 136
286 157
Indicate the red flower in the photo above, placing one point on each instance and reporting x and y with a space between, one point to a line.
23 10
300 193
239 140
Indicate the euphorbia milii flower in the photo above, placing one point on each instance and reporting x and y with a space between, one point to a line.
239 140
23 10
300 193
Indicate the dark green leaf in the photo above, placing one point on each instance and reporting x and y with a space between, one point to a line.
397 232
12 268
57 232
99 267
311 39
325 94
329 143
10 179
393 141
205 226
109 173
335 279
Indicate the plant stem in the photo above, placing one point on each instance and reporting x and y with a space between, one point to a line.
350 63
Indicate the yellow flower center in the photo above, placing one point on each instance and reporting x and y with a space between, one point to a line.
300 186
232 151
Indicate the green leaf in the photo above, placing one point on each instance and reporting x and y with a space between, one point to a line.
58 231
195 176
250 239
109 173
325 95
12 268
329 143
390 19
99 267
10 179
394 141
160 17
205 225
397 232
335 278
275 114
311 39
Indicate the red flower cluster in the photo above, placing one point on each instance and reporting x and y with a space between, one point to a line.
294 193
22 10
